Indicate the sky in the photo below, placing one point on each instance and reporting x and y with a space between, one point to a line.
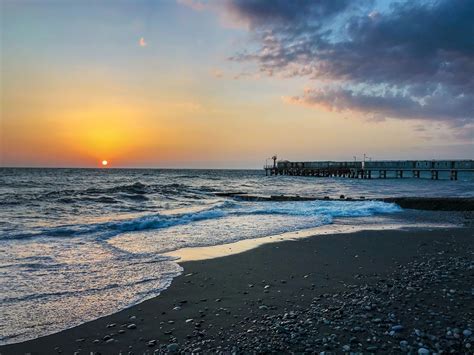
229 83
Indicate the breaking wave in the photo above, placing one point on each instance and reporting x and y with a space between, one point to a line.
326 209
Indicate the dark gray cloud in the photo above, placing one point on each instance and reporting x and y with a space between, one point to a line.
263 13
415 60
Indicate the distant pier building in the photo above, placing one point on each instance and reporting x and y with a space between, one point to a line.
382 169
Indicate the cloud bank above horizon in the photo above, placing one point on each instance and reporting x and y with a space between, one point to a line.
398 60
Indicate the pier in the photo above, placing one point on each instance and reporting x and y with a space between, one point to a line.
381 169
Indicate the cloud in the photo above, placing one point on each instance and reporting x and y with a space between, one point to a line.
412 60
194 4
142 42
217 73
269 13
439 105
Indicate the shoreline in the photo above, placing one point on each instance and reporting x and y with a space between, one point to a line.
339 226
320 264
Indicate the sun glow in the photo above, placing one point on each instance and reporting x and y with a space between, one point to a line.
105 163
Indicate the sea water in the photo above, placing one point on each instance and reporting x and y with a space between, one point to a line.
77 244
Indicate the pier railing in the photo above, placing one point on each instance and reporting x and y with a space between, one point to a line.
372 169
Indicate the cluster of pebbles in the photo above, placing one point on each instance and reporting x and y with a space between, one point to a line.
424 307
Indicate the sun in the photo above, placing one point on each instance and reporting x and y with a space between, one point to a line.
105 163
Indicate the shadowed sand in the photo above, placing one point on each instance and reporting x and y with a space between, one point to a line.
314 294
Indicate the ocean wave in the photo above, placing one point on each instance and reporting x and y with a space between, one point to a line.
136 191
133 197
135 188
329 209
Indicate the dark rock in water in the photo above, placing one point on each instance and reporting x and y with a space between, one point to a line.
342 197
230 193
434 203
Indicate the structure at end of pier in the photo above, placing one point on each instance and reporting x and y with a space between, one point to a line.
382 169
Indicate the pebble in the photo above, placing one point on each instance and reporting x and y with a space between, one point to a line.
132 326
397 328
467 333
172 348
422 351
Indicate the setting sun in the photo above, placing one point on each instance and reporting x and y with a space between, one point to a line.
105 162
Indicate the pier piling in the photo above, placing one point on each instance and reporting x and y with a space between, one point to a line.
363 170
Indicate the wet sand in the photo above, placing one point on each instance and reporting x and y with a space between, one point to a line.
370 291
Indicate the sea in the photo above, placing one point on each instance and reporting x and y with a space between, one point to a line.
78 244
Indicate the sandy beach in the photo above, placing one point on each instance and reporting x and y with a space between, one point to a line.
369 291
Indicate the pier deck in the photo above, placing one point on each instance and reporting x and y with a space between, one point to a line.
373 169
